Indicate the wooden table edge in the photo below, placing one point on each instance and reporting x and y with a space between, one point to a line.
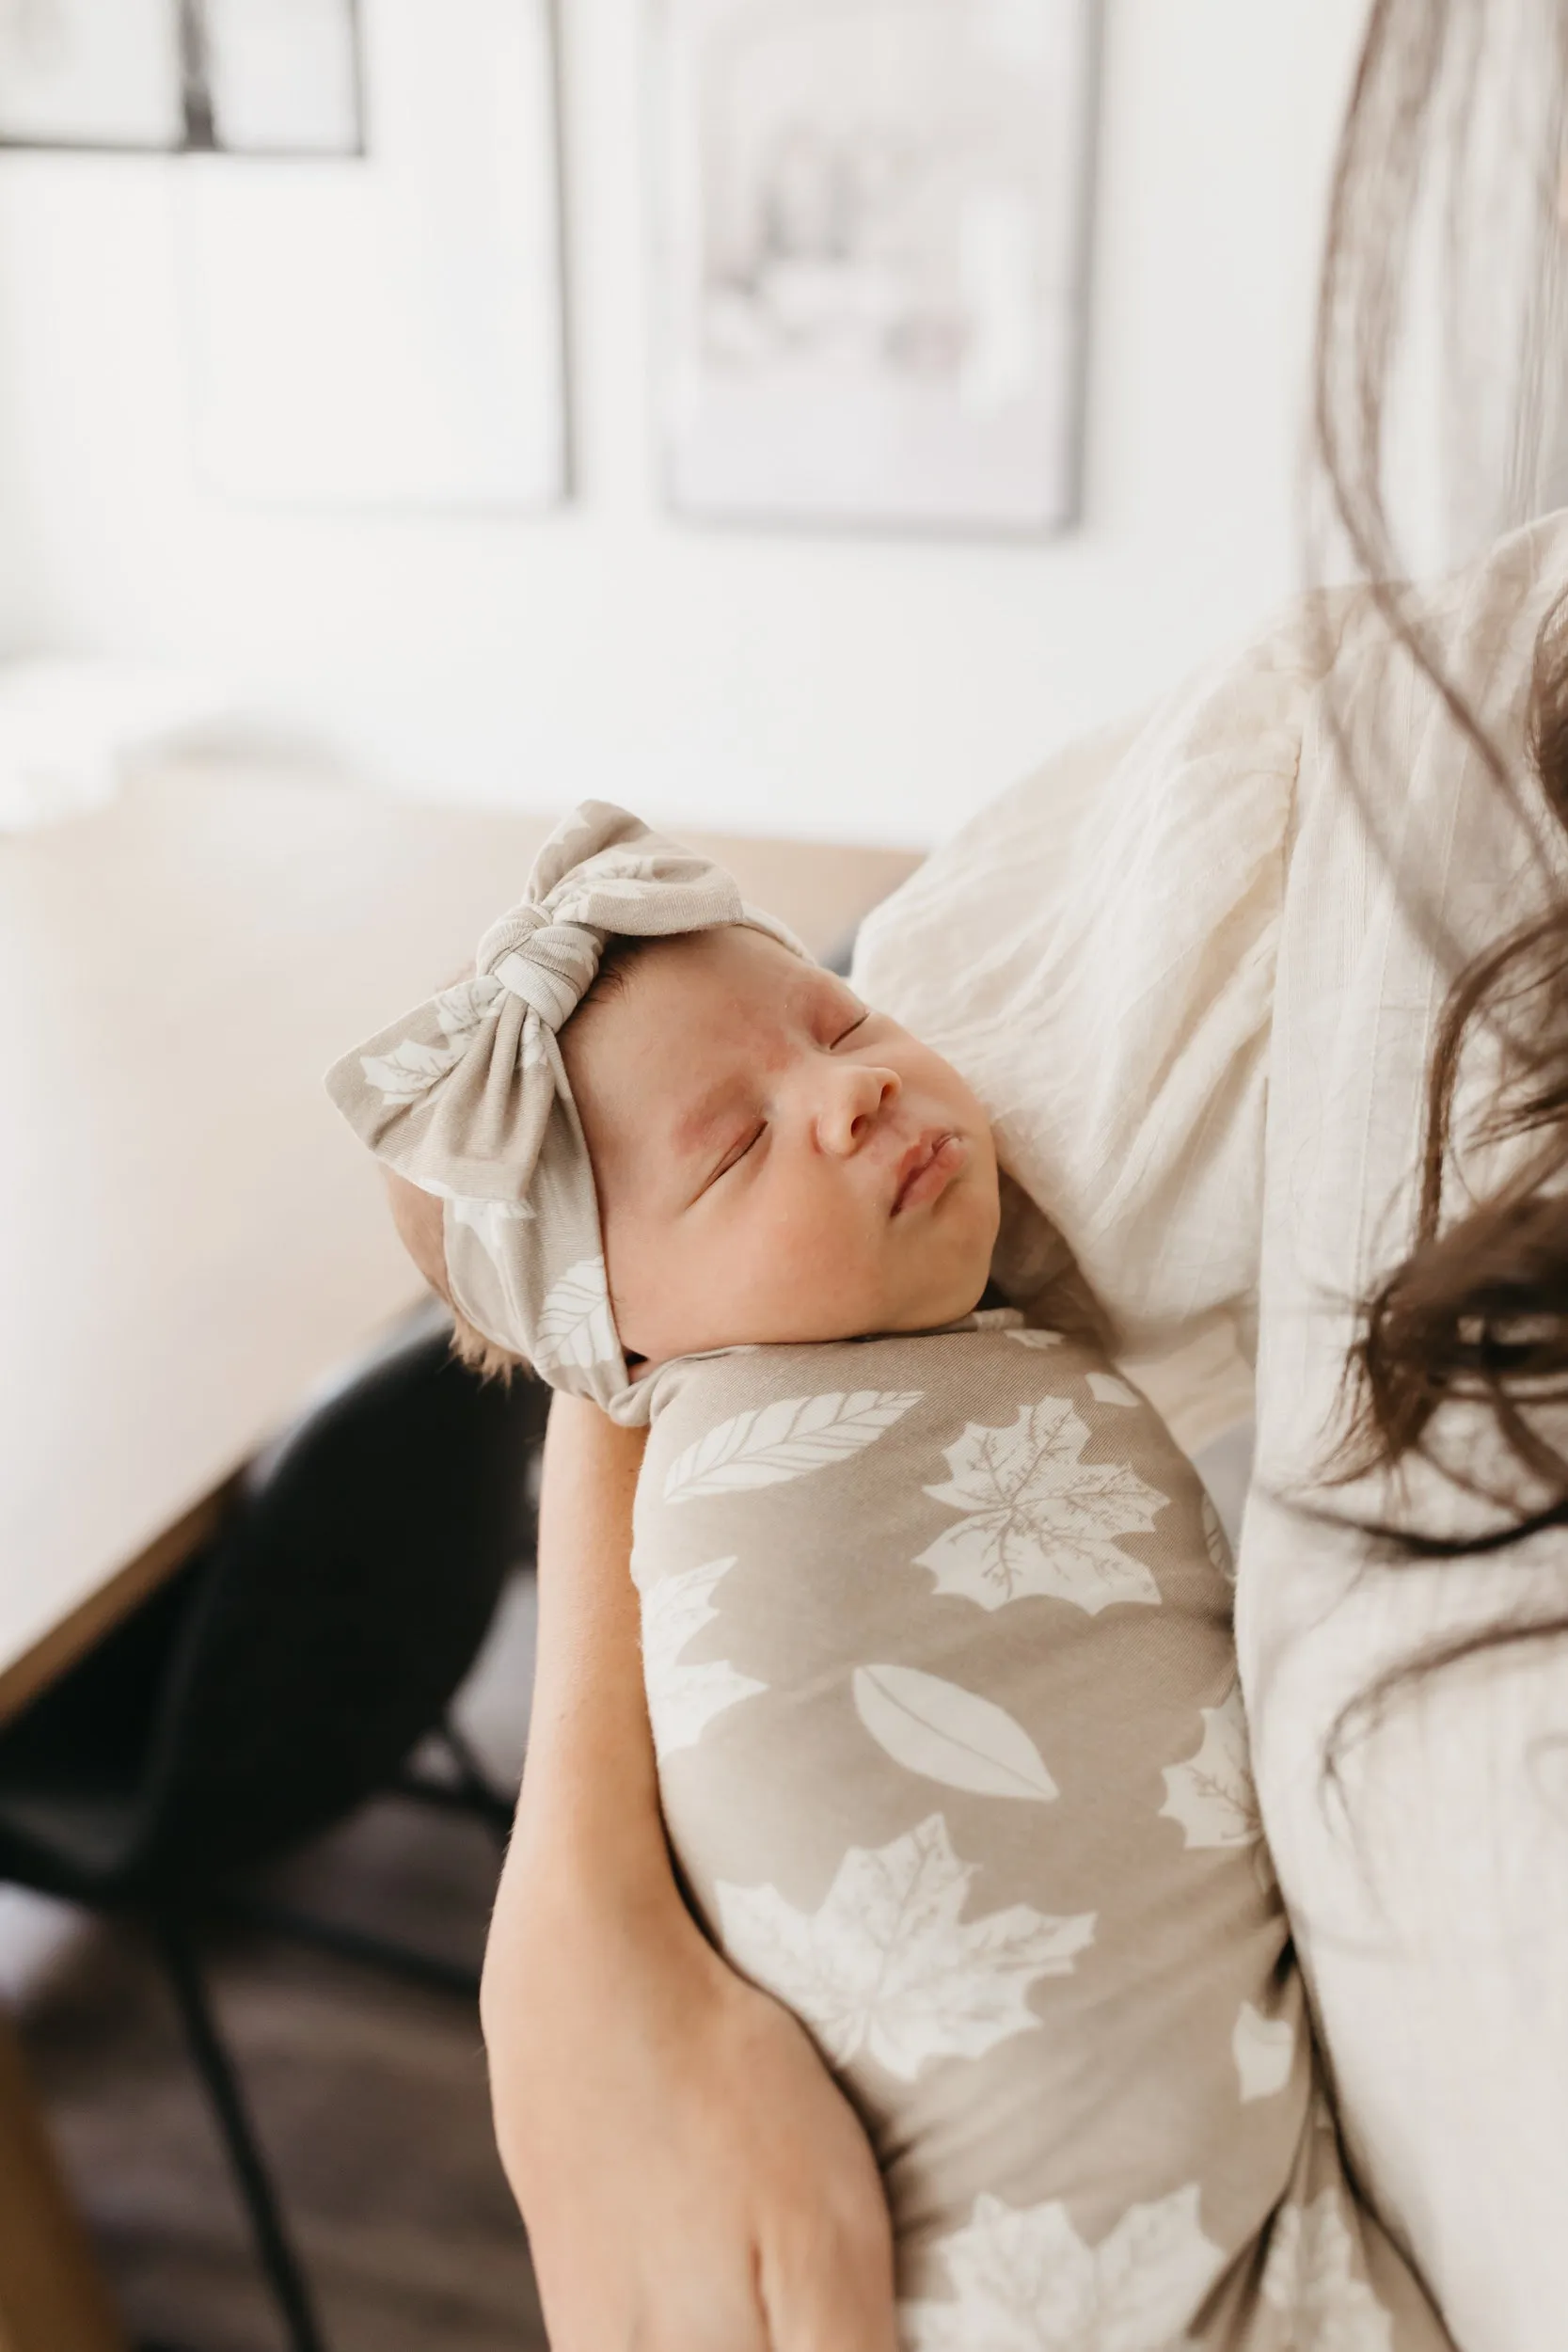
71 1636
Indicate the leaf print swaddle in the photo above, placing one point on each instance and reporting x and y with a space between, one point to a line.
937 1644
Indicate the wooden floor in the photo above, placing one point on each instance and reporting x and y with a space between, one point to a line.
370 2095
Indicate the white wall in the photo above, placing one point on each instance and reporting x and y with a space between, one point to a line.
761 681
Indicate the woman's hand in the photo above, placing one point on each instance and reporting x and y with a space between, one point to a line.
691 2178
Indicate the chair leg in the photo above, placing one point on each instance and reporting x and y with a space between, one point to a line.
470 1791
347 1942
277 2257
477 1788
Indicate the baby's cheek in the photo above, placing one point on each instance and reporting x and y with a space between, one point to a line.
812 1277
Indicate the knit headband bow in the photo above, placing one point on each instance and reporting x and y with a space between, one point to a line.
467 1096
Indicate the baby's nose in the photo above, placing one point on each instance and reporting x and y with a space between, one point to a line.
853 1103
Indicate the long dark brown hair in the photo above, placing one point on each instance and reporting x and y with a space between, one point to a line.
1476 1312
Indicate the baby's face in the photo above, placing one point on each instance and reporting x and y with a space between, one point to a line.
774 1162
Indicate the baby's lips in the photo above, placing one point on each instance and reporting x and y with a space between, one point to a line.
928 1169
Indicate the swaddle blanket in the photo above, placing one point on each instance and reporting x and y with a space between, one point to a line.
938 1650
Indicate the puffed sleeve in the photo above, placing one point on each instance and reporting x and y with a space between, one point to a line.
1095 953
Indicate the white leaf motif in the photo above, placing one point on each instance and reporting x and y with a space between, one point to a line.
1025 2280
886 1966
575 1325
1211 1794
410 1069
1037 1338
531 1052
489 1221
465 1007
1038 1520
568 834
784 1439
1264 2049
947 1734
1309 2277
1111 1391
684 1699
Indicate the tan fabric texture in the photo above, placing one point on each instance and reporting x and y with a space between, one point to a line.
467 1096
938 1648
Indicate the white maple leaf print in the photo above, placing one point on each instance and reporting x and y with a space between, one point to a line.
1309 2278
1025 2280
784 1439
684 1699
946 1733
1211 1794
1110 1391
888 1967
574 1324
1264 2049
410 1069
1038 1520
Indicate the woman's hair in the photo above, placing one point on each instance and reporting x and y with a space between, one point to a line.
1477 1312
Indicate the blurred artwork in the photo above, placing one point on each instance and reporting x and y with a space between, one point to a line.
389 333
872 228
245 77
282 75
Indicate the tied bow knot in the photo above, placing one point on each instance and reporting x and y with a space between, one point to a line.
550 964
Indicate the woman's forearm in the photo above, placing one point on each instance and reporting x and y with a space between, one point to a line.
691 2179
590 1801
589 1836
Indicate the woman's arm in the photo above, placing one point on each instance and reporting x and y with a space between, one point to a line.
691 2179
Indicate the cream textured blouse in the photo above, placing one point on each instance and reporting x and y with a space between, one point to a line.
1199 997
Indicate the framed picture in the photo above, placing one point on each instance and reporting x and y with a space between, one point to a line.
870 245
391 333
241 77
281 77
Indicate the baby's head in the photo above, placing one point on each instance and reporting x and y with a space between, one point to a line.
647 1125
773 1161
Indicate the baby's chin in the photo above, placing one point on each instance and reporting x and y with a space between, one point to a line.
927 1310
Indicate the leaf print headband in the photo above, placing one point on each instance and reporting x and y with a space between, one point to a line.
467 1096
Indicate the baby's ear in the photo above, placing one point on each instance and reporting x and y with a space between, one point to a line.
417 1217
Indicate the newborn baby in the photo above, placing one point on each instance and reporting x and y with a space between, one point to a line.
773 1160
936 1619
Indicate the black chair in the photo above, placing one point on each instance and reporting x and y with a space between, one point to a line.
285 1677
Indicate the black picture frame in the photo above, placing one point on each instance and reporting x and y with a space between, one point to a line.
194 64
